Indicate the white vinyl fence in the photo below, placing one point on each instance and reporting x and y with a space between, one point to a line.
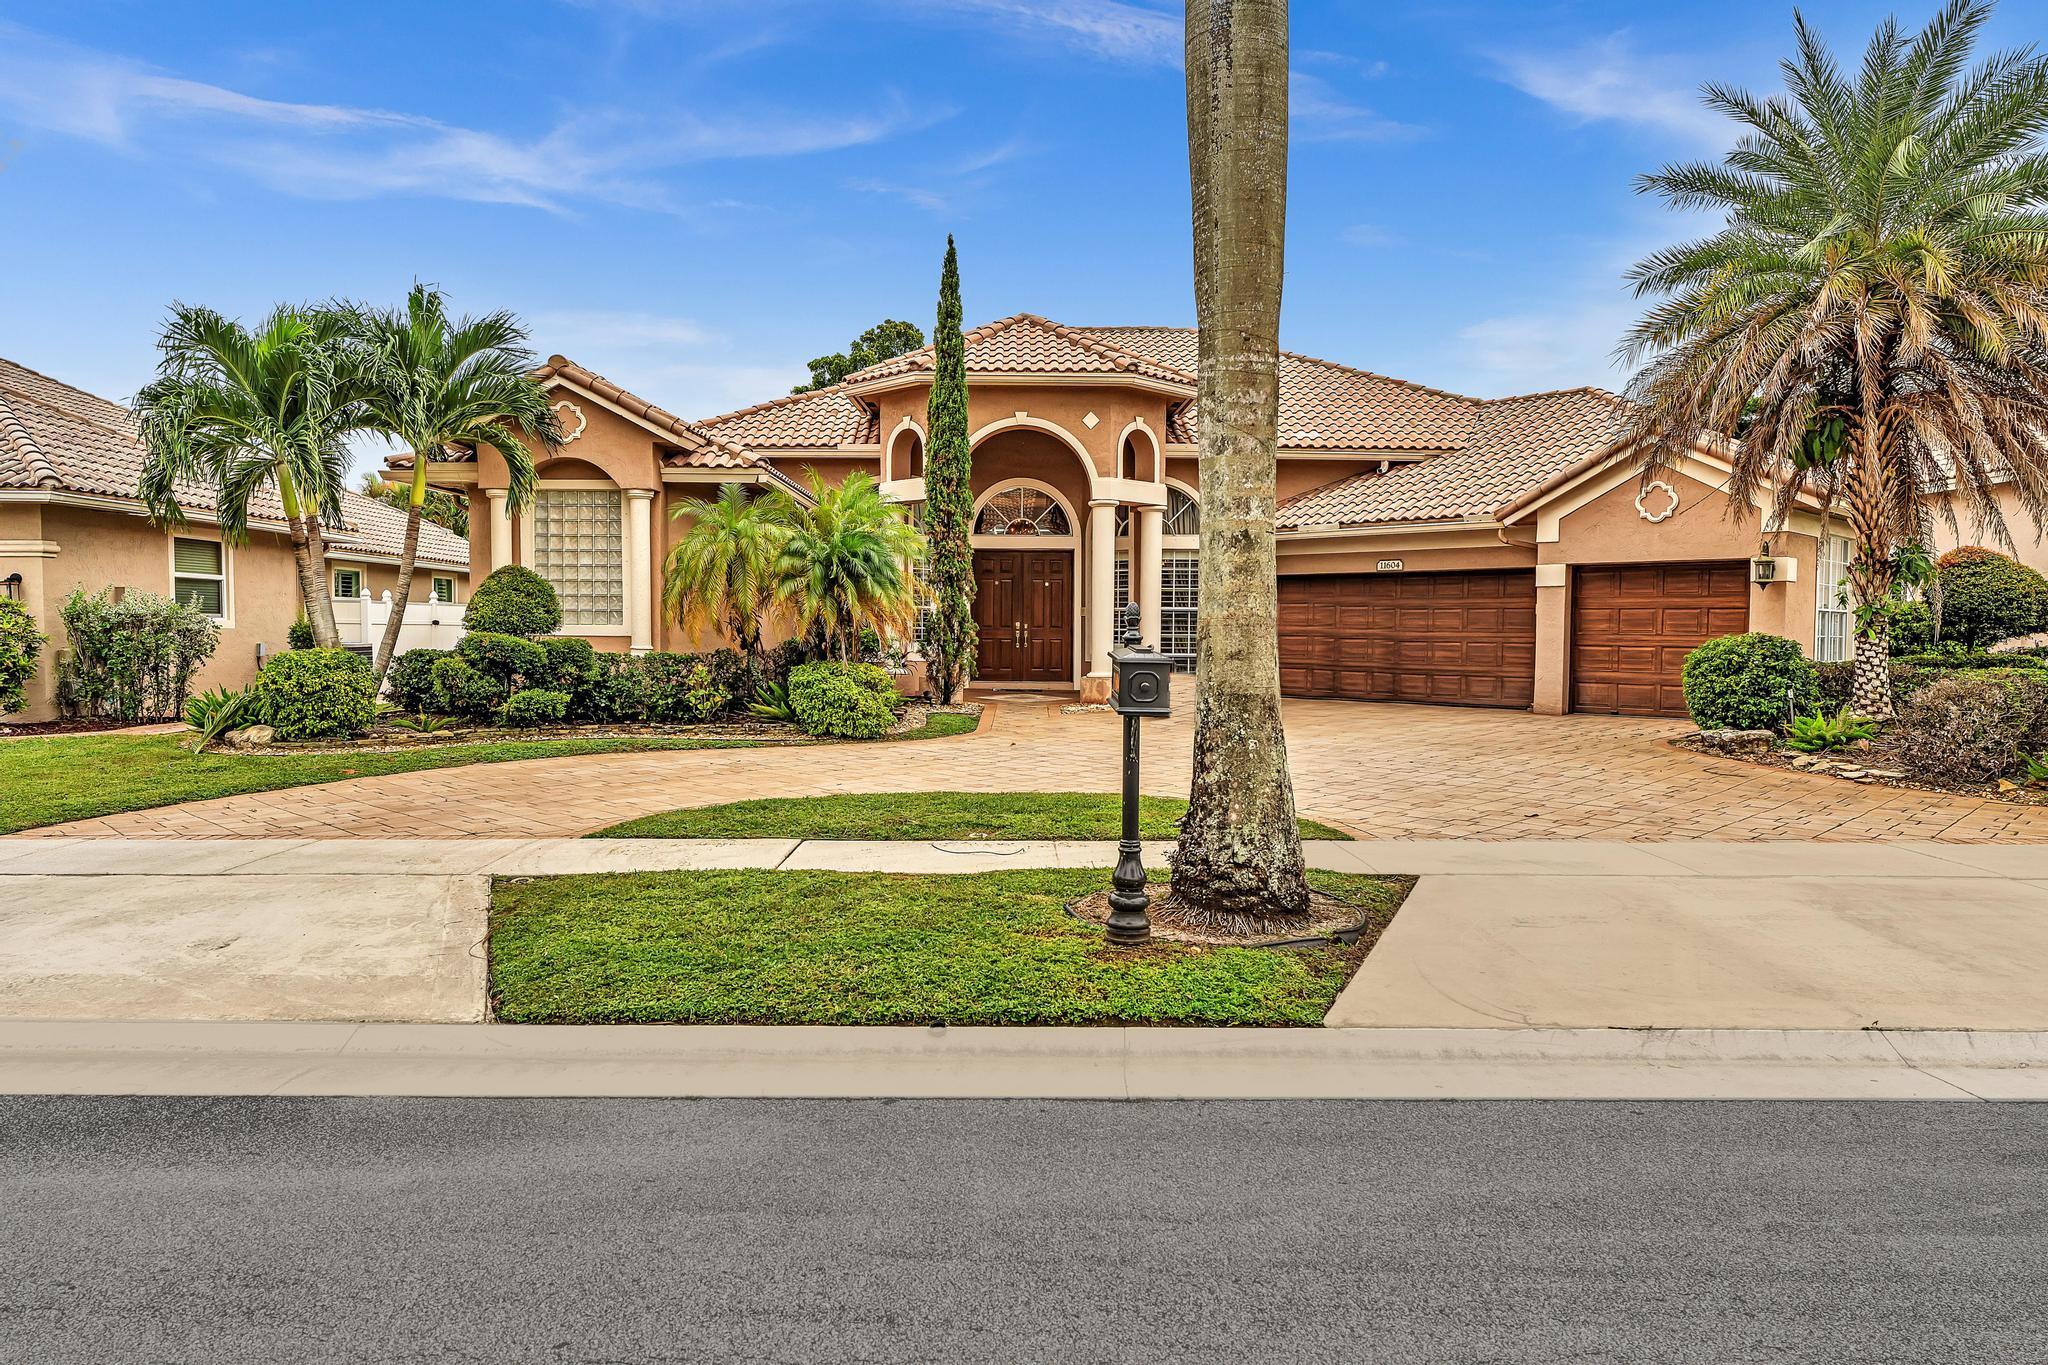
428 625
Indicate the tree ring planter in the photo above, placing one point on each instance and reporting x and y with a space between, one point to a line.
1330 920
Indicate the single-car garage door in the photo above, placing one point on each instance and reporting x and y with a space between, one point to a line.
1461 639
1633 625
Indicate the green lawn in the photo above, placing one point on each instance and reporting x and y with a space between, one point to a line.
77 777
921 815
759 947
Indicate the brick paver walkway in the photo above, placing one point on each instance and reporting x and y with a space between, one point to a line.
1382 771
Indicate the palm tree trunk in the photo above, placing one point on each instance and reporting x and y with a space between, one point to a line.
408 556
1239 862
1871 573
309 552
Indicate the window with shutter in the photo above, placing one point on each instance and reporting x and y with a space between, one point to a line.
199 575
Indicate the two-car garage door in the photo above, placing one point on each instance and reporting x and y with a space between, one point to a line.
1462 639
1469 639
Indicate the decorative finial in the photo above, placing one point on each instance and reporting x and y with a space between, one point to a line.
1131 619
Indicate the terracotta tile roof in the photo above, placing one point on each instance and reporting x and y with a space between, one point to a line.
696 446
1026 343
1516 445
1323 405
62 439
818 420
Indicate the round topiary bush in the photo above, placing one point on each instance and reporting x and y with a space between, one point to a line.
1987 597
411 680
20 646
300 634
535 707
514 601
317 694
831 698
1739 682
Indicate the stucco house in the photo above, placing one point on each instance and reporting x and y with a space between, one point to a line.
71 517
1432 547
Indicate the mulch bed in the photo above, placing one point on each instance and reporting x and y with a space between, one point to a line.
1878 765
1330 919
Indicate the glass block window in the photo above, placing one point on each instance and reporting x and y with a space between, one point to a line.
444 590
579 546
1022 512
1834 622
1180 584
199 575
348 583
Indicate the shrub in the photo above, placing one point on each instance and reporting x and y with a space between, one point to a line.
20 646
568 665
134 659
730 674
1912 628
1740 682
514 601
682 689
411 680
213 713
1987 597
510 660
460 690
1836 681
1823 731
1968 727
535 707
831 698
300 635
779 662
317 694
617 692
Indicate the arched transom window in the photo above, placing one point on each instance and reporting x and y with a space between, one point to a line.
1183 516
1021 511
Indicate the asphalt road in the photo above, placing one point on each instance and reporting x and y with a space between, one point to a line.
296 1231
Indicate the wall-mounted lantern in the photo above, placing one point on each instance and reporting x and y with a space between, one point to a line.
1763 570
10 586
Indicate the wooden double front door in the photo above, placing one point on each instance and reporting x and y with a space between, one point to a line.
1024 612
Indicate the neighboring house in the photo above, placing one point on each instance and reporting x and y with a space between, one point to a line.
1432 547
70 517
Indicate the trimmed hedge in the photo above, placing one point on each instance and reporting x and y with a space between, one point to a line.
317 694
1971 727
1987 597
411 680
535 707
1739 682
21 644
842 700
514 601
680 689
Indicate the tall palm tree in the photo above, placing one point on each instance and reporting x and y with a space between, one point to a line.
1877 297
433 382
240 411
844 564
1239 862
722 572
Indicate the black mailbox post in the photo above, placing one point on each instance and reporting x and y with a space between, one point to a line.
1141 685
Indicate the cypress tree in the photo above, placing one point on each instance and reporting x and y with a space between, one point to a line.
948 497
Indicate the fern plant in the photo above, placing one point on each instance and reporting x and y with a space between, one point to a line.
1820 732
771 702
213 713
424 724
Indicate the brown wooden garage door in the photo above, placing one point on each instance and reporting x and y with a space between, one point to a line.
1461 639
1633 625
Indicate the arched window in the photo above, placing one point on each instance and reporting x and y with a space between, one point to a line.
1020 511
1183 516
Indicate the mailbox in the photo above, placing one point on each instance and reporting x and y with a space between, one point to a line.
1141 679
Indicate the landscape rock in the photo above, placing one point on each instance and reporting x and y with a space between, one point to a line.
251 737
1738 741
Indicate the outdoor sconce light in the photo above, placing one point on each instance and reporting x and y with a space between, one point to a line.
1763 570
11 586
1141 686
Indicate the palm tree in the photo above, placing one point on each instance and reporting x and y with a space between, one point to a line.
238 412
1239 863
722 572
433 382
844 564
1877 298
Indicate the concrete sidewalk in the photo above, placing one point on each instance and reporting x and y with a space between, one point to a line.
1048 1063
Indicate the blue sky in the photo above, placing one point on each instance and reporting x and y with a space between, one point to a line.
695 196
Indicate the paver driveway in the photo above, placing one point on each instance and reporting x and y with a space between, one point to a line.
1380 770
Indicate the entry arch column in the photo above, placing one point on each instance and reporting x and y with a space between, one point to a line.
1101 597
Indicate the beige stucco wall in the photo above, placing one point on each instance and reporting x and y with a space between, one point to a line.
2029 546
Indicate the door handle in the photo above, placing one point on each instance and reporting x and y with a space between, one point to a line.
1017 634
1027 635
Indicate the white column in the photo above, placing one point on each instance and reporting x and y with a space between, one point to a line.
501 528
1148 564
640 567
1101 597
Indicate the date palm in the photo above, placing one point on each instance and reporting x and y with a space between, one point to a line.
1239 862
722 572
1876 298
844 564
434 382
236 412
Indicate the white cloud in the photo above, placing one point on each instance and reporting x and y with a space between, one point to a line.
1106 28
1531 352
566 329
344 152
1368 235
916 195
1609 81
1319 114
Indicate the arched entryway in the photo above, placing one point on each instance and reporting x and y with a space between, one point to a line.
1027 584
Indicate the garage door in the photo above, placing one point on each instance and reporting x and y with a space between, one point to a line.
1633 625
1461 639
